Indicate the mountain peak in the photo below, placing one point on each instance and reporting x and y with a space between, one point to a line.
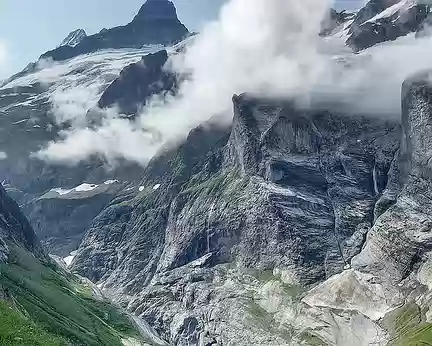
156 23
74 38
156 10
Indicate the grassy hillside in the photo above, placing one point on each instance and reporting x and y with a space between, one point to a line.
49 307
407 326
17 330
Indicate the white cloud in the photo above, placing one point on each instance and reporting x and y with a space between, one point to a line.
3 59
252 48
3 155
265 47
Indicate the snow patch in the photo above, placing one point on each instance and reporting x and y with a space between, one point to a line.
157 186
68 260
401 6
343 32
110 182
80 188
201 261
20 121
74 38
141 188
86 187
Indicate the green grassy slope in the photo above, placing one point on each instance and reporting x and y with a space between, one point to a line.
407 327
17 330
57 306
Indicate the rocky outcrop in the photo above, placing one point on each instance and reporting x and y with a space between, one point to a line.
15 229
41 303
334 20
385 20
29 118
132 227
399 240
61 219
286 191
155 23
138 82
74 38
390 281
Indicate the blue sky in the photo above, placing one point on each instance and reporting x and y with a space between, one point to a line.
31 27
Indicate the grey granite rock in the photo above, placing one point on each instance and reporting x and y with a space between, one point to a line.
386 20
15 229
401 237
284 191
138 82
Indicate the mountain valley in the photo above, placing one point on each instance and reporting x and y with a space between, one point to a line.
284 219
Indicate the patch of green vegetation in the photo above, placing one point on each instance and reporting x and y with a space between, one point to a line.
257 311
228 185
417 336
264 275
210 186
310 339
53 302
17 330
260 317
402 320
265 320
178 165
294 291
407 327
113 317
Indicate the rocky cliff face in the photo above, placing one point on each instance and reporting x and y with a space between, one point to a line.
15 229
138 83
287 192
74 38
36 106
380 21
31 116
290 227
390 279
399 242
155 23
60 217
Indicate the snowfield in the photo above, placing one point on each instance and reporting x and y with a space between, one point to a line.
73 86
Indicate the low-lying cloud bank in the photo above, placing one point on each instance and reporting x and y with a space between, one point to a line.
265 47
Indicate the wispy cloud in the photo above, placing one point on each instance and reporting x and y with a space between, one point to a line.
265 47
256 47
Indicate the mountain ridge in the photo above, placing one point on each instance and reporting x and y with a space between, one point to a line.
288 226
155 23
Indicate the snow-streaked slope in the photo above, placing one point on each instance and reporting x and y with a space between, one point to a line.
73 86
400 7
74 38
84 190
